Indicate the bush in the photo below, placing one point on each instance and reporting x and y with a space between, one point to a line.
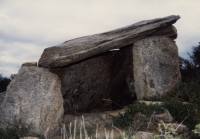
186 113
190 68
197 129
15 132
186 92
125 120
12 133
3 83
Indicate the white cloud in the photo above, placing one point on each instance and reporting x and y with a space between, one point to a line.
28 26
13 54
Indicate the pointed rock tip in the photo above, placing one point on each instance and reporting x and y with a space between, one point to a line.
176 17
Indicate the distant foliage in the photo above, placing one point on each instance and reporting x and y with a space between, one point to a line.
189 89
4 81
190 68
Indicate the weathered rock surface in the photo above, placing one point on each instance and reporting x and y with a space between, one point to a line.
90 84
156 67
30 64
140 122
165 117
81 48
2 96
33 100
144 135
29 138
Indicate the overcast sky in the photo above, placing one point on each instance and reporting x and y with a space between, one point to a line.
29 26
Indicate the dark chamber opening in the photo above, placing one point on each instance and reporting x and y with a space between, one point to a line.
101 83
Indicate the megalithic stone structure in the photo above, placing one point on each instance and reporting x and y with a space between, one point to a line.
89 73
84 75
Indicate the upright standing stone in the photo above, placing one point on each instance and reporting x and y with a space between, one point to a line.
156 67
33 101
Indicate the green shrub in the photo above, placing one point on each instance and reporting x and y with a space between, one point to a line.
186 113
197 129
125 120
8 134
12 133
187 92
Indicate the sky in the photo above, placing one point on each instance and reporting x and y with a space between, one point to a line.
29 26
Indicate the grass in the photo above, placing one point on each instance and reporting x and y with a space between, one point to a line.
73 132
183 103
179 111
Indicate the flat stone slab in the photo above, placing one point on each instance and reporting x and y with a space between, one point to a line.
75 50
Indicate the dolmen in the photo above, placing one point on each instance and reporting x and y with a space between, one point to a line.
98 72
